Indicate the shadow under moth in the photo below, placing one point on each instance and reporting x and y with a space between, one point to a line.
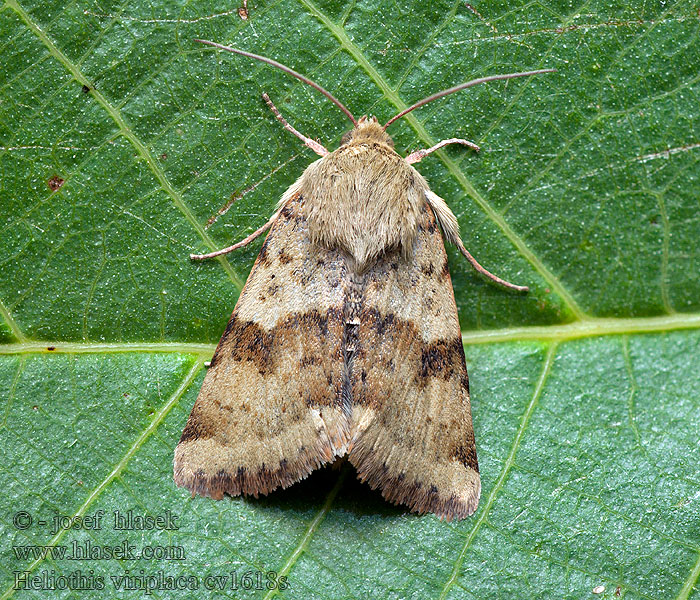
345 338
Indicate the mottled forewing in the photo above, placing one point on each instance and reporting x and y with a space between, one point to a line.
270 410
412 434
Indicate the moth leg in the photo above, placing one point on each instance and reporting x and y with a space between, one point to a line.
485 273
450 228
315 146
416 156
237 245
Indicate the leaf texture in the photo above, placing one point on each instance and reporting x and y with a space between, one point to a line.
125 146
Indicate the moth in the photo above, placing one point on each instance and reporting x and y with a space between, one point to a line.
345 338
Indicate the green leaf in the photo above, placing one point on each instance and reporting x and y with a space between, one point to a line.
120 138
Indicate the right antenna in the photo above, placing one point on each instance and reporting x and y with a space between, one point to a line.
464 86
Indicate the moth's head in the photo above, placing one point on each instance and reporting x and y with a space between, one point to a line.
367 131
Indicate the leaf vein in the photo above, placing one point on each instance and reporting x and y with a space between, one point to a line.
119 467
126 132
310 531
11 323
452 167
504 472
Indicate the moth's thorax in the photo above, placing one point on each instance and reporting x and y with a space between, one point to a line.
363 198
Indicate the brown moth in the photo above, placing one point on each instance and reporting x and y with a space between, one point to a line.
345 339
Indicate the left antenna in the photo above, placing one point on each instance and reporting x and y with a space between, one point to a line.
286 69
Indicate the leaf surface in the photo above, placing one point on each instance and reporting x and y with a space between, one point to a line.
122 145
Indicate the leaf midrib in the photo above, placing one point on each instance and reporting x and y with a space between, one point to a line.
549 333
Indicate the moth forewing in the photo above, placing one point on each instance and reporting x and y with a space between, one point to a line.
270 411
412 434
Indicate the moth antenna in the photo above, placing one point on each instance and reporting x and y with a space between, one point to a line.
286 69
464 86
